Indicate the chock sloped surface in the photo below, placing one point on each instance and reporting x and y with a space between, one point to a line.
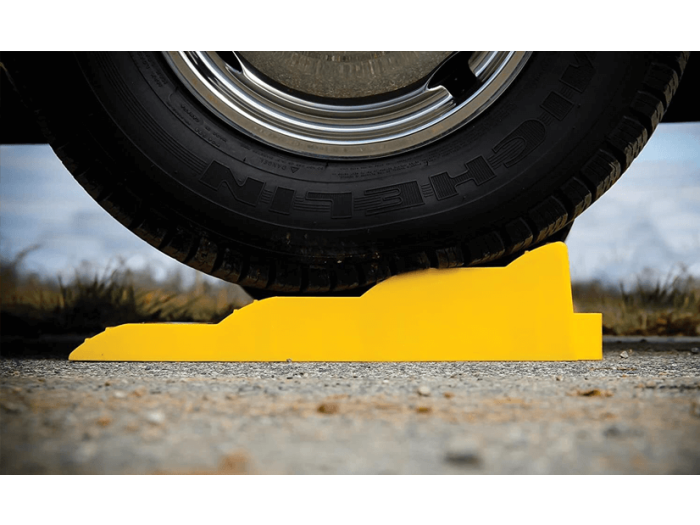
522 312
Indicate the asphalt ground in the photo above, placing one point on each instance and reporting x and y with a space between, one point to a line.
638 414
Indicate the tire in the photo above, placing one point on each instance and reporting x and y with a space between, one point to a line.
221 202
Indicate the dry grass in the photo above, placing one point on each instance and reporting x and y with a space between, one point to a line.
31 305
668 306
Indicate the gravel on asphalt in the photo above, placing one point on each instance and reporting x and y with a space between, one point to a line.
634 414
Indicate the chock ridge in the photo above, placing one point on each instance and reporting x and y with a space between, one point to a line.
521 312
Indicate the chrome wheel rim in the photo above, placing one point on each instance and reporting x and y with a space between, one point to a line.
340 105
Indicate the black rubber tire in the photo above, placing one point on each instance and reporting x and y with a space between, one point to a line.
214 199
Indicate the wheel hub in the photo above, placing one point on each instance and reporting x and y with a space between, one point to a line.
347 105
345 75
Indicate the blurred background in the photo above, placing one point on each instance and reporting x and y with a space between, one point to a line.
635 254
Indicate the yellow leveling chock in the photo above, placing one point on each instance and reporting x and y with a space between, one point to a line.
522 312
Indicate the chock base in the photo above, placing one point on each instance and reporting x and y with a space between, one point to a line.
521 312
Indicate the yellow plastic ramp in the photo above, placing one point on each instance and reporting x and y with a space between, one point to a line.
522 312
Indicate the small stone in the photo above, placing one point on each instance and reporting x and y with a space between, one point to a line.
289 360
155 417
650 384
139 392
328 408
104 421
13 408
448 395
305 374
119 394
235 463
612 431
695 408
695 350
463 452
423 390
559 378
385 381
424 410
594 392
624 354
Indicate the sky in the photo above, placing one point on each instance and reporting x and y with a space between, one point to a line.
650 219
